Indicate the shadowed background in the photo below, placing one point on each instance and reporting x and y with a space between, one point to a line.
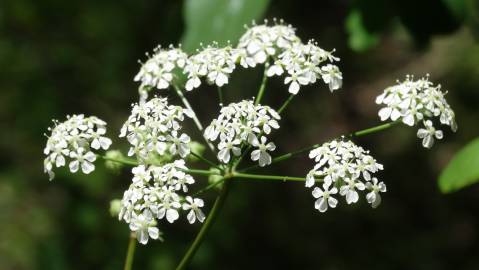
64 57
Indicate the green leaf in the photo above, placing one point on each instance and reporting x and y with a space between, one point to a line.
462 170
218 20
360 39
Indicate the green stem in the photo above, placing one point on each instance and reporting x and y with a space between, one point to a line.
205 228
220 96
375 129
262 86
359 133
130 252
122 161
195 118
285 104
268 177
209 162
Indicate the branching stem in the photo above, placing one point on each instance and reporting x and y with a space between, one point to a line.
359 133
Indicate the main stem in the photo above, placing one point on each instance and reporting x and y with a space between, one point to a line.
130 252
206 226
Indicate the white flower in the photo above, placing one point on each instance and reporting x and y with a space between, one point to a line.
140 174
213 62
179 144
261 153
324 198
75 138
144 226
194 205
100 141
263 41
153 128
302 63
155 194
83 160
332 76
414 101
373 197
158 70
344 165
349 190
225 147
237 125
169 210
428 133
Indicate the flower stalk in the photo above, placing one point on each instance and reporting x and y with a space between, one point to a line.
205 227
263 85
130 252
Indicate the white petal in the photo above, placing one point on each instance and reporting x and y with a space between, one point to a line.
293 88
171 215
74 166
87 167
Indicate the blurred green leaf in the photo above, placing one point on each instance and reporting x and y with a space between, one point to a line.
462 170
457 8
218 20
360 39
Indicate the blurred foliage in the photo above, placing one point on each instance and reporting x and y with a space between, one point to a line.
64 57
217 20
462 170
364 22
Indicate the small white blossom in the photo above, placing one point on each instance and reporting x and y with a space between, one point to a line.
75 139
225 147
324 198
144 226
261 153
349 190
239 124
345 166
195 213
428 133
83 160
373 197
414 101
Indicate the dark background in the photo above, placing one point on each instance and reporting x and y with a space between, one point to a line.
65 57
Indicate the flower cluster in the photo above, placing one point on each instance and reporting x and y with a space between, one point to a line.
157 71
154 195
240 124
76 138
302 65
154 128
346 168
213 63
263 41
414 101
261 44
